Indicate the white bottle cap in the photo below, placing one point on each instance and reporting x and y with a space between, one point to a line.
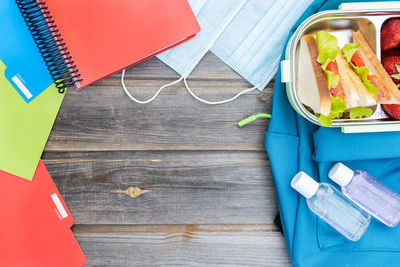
341 174
304 184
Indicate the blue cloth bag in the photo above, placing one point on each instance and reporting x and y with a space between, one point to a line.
294 144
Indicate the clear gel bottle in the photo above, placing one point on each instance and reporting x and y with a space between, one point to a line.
368 193
332 206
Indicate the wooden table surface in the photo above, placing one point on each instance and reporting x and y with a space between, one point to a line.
210 198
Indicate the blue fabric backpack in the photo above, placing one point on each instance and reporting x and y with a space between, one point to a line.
294 144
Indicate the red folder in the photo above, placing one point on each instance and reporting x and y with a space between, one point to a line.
106 36
35 223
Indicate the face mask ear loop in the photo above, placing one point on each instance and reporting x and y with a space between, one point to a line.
217 102
152 98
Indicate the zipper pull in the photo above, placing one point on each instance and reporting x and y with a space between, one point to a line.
253 118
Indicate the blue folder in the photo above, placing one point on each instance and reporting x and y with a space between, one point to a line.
294 144
20 54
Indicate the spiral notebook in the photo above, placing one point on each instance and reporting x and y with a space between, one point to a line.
84 41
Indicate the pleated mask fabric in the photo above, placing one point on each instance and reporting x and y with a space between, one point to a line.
213 17
253 42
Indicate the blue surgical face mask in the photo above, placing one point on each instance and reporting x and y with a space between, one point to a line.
248 35
213 17
253 42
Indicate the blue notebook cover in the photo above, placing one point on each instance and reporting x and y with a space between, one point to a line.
25 68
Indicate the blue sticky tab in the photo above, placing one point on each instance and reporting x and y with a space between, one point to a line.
26 69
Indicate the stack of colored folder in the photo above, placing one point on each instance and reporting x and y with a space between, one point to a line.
102 38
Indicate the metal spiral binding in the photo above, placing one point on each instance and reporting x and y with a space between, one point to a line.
50 43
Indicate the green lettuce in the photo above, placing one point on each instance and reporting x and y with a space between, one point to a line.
371 89
349 50
325 121
360 112
327 52
327 48
362 72
332 79
338 107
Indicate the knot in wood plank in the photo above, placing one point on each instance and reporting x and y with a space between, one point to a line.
132 192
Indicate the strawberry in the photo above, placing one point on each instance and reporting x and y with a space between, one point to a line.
392 67
393 110
391 52
390 35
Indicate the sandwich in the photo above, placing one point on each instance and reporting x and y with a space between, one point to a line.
337 83
365 63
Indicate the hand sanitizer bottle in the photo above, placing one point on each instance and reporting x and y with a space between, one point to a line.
332 206
368 193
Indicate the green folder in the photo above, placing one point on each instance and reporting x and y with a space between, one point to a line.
24 127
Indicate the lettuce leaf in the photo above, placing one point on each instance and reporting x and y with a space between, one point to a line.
338 107
327 48
371 89
332 79
349 50
325 121
363 73
360 112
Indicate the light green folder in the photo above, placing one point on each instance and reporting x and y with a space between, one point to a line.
24 127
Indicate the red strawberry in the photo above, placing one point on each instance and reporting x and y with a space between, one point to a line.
391 52
393 110
392 66
390 36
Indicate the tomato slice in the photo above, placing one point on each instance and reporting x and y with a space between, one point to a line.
333 67
334 91
338 90
357 60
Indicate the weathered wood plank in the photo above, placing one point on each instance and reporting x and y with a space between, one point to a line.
210 67
185 187
102 118
183 245
210 201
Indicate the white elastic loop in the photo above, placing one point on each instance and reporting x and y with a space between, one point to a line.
152 98
217 102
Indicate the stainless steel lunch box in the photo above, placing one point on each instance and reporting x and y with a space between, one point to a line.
365 17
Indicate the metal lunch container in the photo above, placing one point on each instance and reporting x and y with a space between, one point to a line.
367 18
